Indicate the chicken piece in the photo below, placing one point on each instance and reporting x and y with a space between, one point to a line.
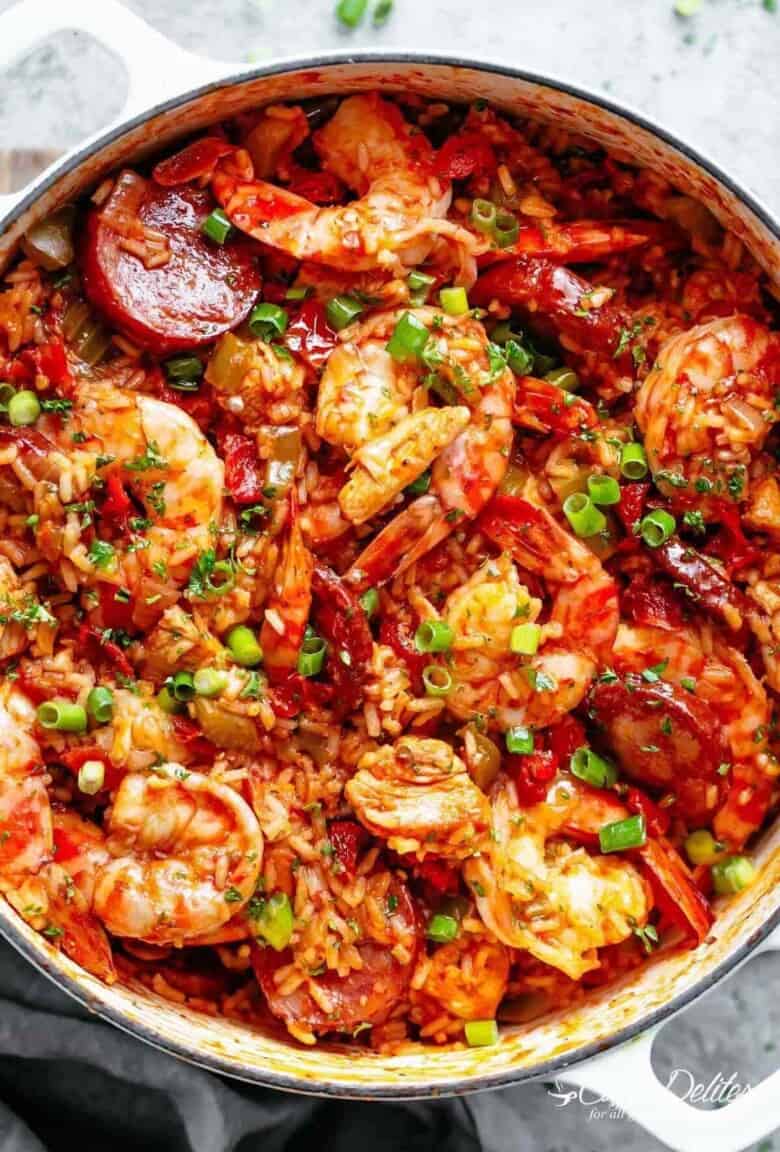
178 642
763 509
418 796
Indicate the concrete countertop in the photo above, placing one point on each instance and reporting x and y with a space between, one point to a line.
712 80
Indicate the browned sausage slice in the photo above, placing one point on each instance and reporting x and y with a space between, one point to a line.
666 738
201 290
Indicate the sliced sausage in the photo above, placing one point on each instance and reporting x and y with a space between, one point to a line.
366 996
201 291
665 737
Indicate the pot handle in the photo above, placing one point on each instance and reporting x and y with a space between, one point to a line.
625 1076
156 67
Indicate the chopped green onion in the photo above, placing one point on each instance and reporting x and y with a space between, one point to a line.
62 715
506 228
520 741
168 702
91 777
603 490
732 875
225 580
184 368
267 321
583 515
421 485
6 392
433 636
210 682
351 12
443 929
275 922
408 339
701 847
243 646
217 226
382 10
419 284
565 378
633 461
437 680
656 527
312 655
483 215
519 359
100 703
623 834
342 310
687 7
481 1033
24 408
369 602
586 765
454 301
524 640
182 685
297 293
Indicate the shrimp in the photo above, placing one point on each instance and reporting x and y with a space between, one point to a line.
540 894
186 851
468 471
398 219
25 813
418 795
125 438
489 679
707 406
287 610
40 889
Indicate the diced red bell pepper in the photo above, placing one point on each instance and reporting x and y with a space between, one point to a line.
65 847
440 875
730 543
397 632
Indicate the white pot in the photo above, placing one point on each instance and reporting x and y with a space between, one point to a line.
603 1043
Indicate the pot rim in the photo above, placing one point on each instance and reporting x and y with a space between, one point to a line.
554 1066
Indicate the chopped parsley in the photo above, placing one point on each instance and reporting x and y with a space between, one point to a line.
101 554
150 459
653 674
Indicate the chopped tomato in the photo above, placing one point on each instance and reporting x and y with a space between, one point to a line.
310 336
656 819
197 160
342 622
632 504
117 505
532 774
242 467
47 360
89 634
318 187
650 600
566 737
465 154
65 847
441 876
348 838
397 631
74 758
115 613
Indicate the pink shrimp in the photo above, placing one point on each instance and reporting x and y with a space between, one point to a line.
287 610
